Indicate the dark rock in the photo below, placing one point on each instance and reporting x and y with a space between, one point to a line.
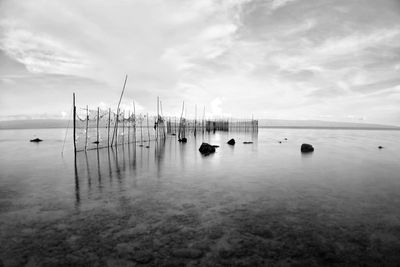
280 142
173 134
306 148
206 149
214 146
187 253
285 138
247 142
231 142
183 140
36 140
380 147
96 142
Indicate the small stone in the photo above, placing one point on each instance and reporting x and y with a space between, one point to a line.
307 148
285 138
247 142
231 142
380 147
36 140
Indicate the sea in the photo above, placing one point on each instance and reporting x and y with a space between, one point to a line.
163 203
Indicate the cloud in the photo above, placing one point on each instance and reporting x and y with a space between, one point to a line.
211 53
276 4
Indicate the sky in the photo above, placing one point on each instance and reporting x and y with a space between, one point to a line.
333 60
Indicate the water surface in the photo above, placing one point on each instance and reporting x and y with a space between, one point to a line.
257 204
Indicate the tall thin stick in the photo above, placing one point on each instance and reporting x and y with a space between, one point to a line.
180 121
119 103
74 122
148 128
158 115
109 124
162 119
87 126
97 126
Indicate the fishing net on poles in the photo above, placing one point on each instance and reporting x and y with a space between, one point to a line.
99 128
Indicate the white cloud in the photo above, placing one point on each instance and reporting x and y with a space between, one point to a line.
280 3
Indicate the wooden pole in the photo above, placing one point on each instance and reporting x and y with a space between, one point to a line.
157 121
97 126
87 126
109 124
74 121
116 122
162 117
180 121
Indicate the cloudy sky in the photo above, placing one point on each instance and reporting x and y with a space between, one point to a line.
336 60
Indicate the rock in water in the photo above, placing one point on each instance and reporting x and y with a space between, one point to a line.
184 140
306 148
231 142
247 142
380 147
36 140
206 149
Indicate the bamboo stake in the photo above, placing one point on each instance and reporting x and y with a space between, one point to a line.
162 117
109 124
74 122
157 118
87 126
180 121
116 122
97 126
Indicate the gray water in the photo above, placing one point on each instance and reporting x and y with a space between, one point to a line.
167 205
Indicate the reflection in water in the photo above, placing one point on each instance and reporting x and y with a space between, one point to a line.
77 193
119 164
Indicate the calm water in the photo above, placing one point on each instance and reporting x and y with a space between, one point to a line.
167 205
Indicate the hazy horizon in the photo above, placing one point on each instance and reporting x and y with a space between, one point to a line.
277 59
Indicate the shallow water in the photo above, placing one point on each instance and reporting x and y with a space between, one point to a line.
256 204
